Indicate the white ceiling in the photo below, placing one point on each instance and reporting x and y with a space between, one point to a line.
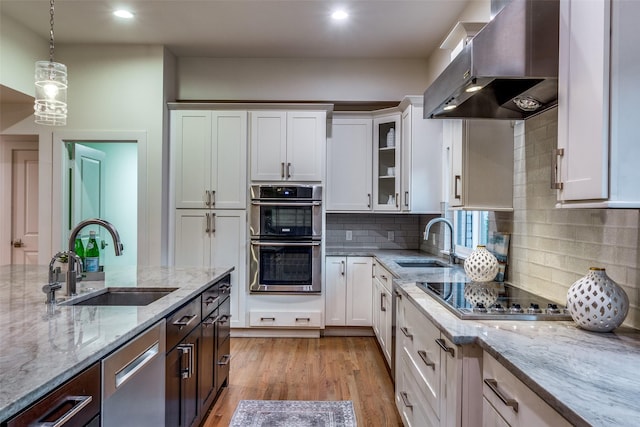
250 28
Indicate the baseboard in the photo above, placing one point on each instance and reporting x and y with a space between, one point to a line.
348 331
274 333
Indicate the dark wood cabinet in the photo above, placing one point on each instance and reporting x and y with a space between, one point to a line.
182 405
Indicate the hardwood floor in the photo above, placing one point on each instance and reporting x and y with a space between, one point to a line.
329 368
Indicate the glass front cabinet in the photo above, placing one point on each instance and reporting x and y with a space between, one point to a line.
386 162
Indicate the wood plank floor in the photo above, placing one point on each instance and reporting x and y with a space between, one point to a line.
329 368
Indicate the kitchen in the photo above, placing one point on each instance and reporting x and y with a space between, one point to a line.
550 247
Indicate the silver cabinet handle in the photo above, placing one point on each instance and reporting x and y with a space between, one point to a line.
17 243
288 170
210 321
303 319
397 201
286 204
382 300
187 351
369 200
493 385
444 346
213 223
406 199
385 278
405 399
406 333
278 243
555 183
207 227
79 403
457 179
213 197
225 318
207 198
397 293
211 300
182 322
425 359
282 170
225 360
272 319
342 268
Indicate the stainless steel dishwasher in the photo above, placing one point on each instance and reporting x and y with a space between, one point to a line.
133 378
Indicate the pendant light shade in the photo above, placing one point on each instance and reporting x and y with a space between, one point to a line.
50 107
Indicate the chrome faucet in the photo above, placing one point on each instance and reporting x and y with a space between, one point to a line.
452 254
53 285
118 247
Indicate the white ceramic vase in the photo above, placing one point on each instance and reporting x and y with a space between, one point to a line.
597 303
481 265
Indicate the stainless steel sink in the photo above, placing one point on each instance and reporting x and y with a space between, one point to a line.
426 263
121 297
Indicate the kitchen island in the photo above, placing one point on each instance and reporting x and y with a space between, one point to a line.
42 347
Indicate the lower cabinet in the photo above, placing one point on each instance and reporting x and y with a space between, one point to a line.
348 291
76 402
507 401
437 383
382 308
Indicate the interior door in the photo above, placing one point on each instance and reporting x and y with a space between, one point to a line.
24 204
88 184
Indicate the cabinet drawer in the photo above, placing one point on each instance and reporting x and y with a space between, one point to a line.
410 398
80 395
516 403
383 275
182 321
288 319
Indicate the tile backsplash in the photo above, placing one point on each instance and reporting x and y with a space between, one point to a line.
550 247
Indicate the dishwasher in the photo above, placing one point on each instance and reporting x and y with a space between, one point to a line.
133 378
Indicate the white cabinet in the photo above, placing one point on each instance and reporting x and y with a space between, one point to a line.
287 145
382 307
349 162
507 401
597 89
480 156
210 238
436 380
210 158
348 291
386 162
421 168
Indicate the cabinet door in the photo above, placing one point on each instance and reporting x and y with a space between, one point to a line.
385 323
359 291
349 159
386 163
229 248
206 365
192 240
376 314
306 144
583 99
229 151
453 136
335 273
268 145
181 388
191 146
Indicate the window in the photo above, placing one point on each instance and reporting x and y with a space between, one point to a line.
470 228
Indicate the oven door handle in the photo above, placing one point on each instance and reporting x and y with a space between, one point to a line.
286 204
272 243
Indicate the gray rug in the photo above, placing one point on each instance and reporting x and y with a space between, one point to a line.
293 413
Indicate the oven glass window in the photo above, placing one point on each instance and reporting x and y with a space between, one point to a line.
281 265
294 221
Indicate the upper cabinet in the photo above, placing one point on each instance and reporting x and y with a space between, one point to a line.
480 159
386 162
287 145
349 162
210 159
596 161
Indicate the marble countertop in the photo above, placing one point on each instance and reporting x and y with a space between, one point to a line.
592 379
42 348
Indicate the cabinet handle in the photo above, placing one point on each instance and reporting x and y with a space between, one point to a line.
406 333
288 170
444 346
555 183
224 288
181 323
207 227
213 223
382 299
405 399
225 318
406 199
213 197
384 277
210 321
397 293
397 201
425 359
211 300
493 385
303 319
79 403
457 179
282 170
17 243
187 351
369 200
207 201
342 268
225 360
262 319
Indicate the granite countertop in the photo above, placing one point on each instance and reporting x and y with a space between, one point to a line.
42 348
591 378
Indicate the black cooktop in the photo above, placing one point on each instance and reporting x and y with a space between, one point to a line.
493 301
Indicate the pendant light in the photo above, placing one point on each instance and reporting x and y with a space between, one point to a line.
51 86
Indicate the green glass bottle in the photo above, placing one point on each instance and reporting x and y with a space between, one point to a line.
92 254
79 250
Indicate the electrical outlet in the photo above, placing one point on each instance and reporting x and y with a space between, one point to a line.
390 235
349 235
433 239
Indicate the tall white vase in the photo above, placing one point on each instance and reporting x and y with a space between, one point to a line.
481 265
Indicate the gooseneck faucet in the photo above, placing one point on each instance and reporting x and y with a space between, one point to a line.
452 254
117 246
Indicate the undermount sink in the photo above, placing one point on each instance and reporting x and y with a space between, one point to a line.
427 263
121 297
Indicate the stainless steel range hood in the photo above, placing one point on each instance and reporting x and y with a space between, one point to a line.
514 62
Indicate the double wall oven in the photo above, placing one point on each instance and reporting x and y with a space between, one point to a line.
285 225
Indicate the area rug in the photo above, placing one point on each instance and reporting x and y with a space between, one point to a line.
293 413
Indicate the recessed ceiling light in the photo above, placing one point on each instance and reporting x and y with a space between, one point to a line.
123 14
339 15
